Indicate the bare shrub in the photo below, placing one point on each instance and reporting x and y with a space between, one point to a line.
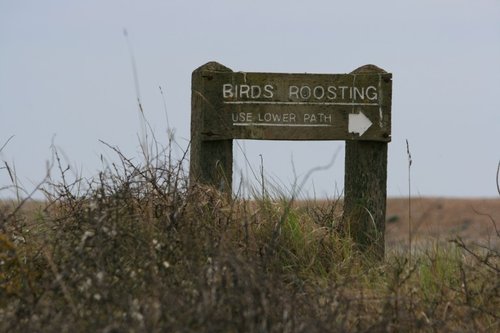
136 249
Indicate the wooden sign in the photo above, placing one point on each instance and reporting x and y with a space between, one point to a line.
354 107
271 106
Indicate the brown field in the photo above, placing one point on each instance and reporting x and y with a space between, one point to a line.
443 219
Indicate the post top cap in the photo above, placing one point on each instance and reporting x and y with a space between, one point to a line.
368 69
213 66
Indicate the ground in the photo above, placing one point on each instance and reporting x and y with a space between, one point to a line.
442 219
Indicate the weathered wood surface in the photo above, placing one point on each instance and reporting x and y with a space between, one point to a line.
365 189
273 106
211 162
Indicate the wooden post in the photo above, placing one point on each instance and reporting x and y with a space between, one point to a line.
365 184
211 161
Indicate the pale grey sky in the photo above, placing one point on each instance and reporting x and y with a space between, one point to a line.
66 77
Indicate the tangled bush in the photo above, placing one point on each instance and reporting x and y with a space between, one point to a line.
141 251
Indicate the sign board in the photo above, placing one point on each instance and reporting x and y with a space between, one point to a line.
354 107
272 106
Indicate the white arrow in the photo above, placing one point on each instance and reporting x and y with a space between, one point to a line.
358 123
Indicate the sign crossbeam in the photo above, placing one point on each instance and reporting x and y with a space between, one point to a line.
245 105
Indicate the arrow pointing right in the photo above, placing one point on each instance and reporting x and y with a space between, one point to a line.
358 123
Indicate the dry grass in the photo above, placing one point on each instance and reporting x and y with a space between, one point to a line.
138 250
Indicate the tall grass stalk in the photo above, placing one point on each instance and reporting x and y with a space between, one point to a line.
498 178
143 139
410 161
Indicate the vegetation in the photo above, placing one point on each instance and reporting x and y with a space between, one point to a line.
139 250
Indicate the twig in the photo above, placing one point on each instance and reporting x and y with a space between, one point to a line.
498 178
10 173
21 204
460 243
60 281
492 220
10 138
262 176
247 164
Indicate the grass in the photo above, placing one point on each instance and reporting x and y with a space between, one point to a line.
139 250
